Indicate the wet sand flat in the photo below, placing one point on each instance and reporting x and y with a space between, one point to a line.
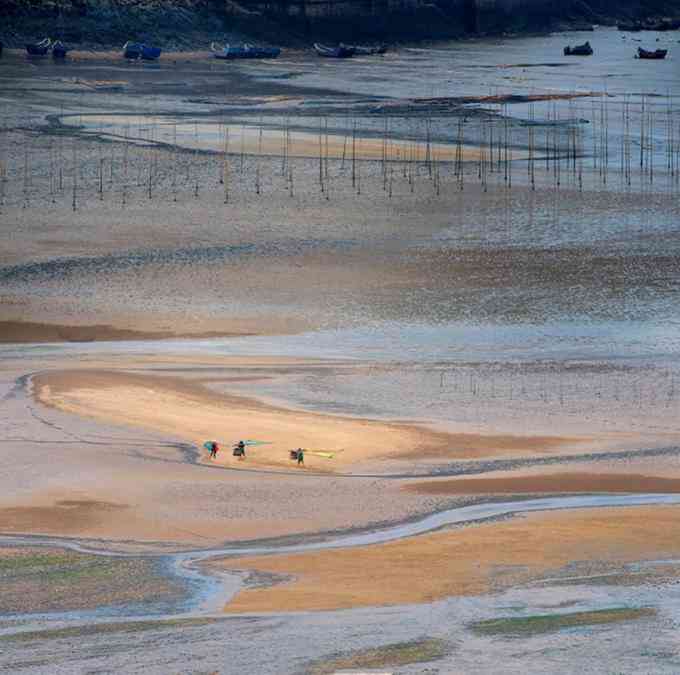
558 483
247 139
468 561
180 408
509 322
126 488
35 333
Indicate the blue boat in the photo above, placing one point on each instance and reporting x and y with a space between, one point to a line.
59 50
244 51
138 50
370 50
339 52
38 48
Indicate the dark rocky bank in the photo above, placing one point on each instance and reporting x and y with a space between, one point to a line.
181 25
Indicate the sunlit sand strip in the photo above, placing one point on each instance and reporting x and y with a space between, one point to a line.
190 411
469 561
254 140
558 483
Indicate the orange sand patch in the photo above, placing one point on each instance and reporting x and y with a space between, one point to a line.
255 140
190 411
64 517
558 482
33 332
477 445
467 561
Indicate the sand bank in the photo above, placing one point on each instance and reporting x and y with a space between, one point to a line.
240 138
34 332
468 561
549 483
191 411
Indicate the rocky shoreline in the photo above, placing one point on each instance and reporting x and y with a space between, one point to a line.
185 25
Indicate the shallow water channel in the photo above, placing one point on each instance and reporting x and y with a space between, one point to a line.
208 593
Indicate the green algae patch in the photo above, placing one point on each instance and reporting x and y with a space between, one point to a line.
41 580
389 656
105 629
548 623
19 563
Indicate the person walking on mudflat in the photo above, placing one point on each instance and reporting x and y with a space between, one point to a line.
213 450
240 450
300 457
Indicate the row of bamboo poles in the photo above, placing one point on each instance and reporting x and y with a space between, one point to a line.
559 385
553 150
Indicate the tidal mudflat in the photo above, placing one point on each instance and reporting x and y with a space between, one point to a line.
460 298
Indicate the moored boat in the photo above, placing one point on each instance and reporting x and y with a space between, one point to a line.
244 51
339 52
59 50
657 54
369 50
579 50
138 50
38 48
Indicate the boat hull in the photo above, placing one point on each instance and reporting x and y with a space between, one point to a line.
134 51
35 50
657 55
341 52
229 53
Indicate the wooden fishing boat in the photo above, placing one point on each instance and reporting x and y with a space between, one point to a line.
59 50
138 50
369 50
132 50
657 54
339 52
38 48
579 50
150 53
244 51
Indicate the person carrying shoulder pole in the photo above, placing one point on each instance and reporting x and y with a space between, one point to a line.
240 450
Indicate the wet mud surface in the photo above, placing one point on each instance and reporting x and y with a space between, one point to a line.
489 301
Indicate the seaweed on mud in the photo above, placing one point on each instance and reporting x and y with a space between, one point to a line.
106 628
528 626
391 655
54 580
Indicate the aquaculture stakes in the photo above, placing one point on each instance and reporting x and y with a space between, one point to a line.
630 143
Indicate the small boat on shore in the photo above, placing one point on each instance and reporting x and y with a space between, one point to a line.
38 48
579 50
244 51
657 54
339 52
369 50
59 50
138 50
